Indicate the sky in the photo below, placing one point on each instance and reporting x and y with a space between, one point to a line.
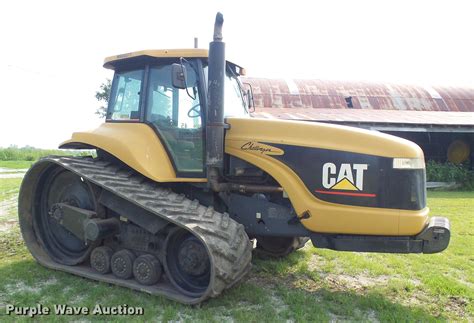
52 51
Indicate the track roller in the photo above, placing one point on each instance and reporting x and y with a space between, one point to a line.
122 264
101 259
147 270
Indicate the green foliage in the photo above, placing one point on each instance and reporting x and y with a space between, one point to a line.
103 96
28 153
448 172
15 164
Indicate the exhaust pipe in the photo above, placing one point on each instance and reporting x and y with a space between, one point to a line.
215 111
215 121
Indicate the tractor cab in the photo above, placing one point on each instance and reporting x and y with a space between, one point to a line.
167 89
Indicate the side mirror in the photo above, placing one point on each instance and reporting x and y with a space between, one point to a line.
178 75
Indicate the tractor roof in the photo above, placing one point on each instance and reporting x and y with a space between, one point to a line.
115 61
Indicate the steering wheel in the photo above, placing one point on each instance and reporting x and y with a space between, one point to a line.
197 113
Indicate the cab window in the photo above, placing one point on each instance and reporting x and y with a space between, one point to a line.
234 99
176 115
125 96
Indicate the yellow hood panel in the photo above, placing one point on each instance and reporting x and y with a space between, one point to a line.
137 145
325 216
321 135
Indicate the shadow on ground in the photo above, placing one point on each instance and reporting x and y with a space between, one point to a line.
262 297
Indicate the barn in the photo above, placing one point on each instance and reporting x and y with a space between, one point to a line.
439 119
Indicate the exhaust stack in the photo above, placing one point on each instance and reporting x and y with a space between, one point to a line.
215 111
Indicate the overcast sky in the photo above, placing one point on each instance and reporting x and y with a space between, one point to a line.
52 51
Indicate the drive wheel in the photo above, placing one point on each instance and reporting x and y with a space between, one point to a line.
61 186
147 270
101 258
277 247
122 264
187 264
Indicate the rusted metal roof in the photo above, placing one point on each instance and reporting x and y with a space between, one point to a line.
364 103
319 94
378 119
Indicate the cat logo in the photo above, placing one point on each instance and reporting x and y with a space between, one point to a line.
349 179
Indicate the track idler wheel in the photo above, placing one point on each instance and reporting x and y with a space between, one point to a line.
122 264
101 259
42 227
187 263
147 270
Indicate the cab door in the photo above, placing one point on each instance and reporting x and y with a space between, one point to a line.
176 116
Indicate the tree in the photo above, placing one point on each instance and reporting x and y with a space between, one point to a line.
103 96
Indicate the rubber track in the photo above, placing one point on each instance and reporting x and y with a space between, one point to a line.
228 245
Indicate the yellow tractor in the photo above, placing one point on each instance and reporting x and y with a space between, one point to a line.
184 180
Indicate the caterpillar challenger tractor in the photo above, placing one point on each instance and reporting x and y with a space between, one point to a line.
184 180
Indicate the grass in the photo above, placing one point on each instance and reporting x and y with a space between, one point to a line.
14 157
27 153
9 188
309 285
15 164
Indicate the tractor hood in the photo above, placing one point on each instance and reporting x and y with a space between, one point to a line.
336 174
320 135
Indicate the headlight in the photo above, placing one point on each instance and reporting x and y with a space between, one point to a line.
408 163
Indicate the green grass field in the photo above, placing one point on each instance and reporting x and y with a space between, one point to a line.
15 164
31 154
16 158
309 285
